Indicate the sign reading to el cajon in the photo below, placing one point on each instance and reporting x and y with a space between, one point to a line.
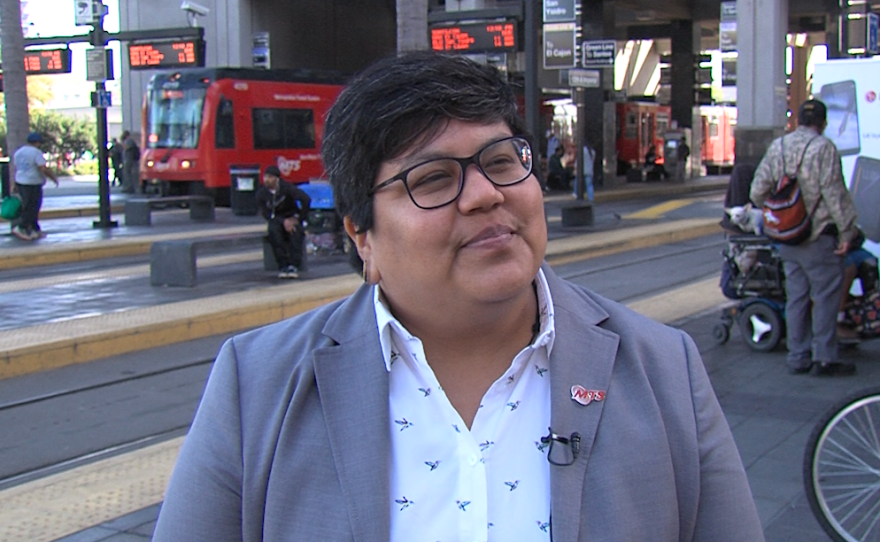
559 46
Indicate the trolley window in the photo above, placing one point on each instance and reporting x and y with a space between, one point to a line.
175 117
224 130
284 128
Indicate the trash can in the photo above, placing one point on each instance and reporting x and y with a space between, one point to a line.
243 184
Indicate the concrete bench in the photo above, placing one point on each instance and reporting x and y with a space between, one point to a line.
173 263
137 210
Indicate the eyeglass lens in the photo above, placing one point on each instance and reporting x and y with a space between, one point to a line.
438 182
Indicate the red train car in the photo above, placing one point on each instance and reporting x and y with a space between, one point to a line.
200 125
639 125
718 143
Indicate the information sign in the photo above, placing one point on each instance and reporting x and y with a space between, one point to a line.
728 72
727 27
599 53
261 55
184 53
99 64
873 43
83 12
584 78
101 99
558 11
489 36
559 46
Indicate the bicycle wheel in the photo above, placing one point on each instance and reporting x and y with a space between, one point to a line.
842 469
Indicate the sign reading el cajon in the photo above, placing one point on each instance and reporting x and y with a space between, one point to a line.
557 11
559 46
599 53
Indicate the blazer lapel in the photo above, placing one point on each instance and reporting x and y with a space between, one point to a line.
583 355
353 385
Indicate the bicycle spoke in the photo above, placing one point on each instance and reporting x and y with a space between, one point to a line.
845 471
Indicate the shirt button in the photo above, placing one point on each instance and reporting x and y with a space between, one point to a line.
473 460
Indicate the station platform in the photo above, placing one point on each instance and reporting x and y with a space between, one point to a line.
82 294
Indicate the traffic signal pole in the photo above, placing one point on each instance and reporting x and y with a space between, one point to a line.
104 220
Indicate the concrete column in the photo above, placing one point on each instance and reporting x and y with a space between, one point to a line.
683 72
760 76
598 23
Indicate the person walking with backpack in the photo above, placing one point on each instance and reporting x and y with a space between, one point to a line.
814 266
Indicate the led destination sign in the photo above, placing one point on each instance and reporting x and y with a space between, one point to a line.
475 37
167 54
46 61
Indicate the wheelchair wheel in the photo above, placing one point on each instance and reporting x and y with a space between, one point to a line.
721 333
761 326
842 469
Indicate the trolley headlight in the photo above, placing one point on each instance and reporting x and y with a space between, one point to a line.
150 163
186 164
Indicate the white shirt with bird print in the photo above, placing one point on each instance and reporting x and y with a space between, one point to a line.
449 483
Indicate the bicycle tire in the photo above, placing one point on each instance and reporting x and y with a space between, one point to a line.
842 468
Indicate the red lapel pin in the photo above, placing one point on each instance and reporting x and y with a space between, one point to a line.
584 396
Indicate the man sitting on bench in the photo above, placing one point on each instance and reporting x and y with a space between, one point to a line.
286 207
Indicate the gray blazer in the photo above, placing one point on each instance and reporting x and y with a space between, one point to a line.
291 441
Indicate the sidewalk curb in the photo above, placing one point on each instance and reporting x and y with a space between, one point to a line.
101 336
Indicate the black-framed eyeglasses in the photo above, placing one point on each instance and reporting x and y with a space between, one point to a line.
439 182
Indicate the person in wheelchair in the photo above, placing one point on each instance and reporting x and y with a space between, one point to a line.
854 315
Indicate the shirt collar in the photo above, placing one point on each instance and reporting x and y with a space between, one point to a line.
388 324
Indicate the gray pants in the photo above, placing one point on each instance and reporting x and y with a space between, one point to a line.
813 287
131 182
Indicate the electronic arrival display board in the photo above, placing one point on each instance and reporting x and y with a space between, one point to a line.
47 61
475 37
185 53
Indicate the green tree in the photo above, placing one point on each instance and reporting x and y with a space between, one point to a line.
65 139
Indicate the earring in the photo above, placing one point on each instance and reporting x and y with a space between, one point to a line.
366 273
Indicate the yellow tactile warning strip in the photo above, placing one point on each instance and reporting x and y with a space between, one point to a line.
32 255
71 501
656 211
574 248
74 212
48 346
74 500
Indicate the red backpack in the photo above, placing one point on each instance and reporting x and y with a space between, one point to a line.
785 216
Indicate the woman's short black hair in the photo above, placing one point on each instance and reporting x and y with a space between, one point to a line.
398 102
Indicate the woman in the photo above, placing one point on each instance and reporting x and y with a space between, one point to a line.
419 408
